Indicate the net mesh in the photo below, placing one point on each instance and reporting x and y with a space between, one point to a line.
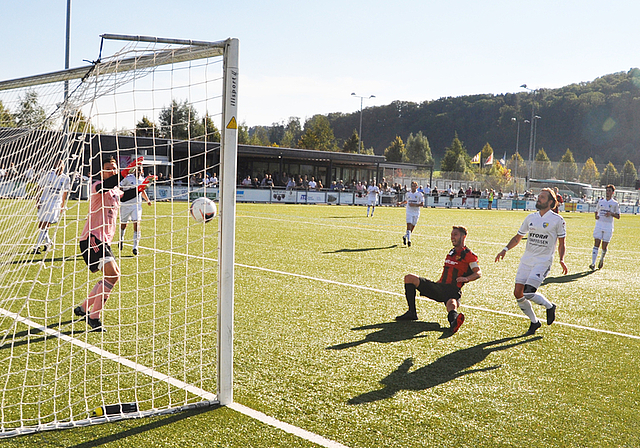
160 102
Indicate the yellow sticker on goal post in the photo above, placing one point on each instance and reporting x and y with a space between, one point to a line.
233 124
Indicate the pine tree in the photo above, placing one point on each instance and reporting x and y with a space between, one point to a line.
567 168
609 175
629 174
418 149
542 168
396 152
450 160
589 174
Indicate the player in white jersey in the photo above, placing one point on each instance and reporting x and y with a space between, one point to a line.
131 210
414 201
53 191
545 228
606 210
372 197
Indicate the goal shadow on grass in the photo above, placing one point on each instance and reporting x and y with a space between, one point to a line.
442 370
392 332
362 249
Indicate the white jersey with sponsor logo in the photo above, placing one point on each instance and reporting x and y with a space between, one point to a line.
53 186
544 232
605 222
413 198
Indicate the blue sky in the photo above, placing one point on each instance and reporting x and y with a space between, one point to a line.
300 58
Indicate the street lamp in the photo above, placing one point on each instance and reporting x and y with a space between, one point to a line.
531 137
360 132
517 147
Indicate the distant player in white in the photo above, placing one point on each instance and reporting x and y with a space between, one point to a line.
545 228
53 191
131 210
372 197
415 201
606 210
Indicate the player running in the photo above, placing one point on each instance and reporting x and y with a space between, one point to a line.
372 197
54 189
96 237
545 228
414 201
460 267
606 210
131 210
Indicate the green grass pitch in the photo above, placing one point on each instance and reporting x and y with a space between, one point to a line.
316 344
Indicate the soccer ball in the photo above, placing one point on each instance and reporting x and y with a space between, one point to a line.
203 210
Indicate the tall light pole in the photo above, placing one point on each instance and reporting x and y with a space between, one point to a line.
517 148
533 114
360 132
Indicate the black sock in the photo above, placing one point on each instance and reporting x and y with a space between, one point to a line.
410 294
452 315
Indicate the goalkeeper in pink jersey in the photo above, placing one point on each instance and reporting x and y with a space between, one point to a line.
96 237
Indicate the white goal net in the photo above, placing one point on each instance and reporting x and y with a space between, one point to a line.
140 320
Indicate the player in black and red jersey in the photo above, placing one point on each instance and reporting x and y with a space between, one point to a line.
460 267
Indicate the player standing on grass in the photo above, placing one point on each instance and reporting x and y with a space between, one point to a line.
545 228
606 210
131 210
54 189
460 267
414 200
372 197
97 235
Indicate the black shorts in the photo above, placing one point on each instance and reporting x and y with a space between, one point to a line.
93 251
440 292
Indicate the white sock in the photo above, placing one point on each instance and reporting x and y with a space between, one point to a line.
42 234
527 309
136 238
539 299
122 231
604 252
409 235
594 255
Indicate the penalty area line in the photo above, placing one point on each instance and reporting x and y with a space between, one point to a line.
382 291
257 415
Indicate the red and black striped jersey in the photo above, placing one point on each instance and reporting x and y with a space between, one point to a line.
459 263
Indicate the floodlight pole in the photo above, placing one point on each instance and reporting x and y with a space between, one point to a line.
360 132
533 114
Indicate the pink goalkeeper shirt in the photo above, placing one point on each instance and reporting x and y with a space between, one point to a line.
103 214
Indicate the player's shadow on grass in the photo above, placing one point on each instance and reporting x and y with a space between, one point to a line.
391 332
362 249
444 369
27 336
567 278
37 260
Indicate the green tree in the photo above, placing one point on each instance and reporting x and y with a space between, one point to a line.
146 128
243 134
418 149
609 175
567 168
542 167
30 113
318 135
450 161
292 133
589 174
517 165
629 174
80 123
179 121
259 136
352 143
206 130
7 120
396 152
487 150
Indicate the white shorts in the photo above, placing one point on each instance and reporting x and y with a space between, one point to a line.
532 275
49 213
412 218
371 201
602 234
130 212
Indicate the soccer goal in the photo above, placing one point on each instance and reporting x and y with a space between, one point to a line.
166 108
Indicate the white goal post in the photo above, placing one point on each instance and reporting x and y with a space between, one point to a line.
167 108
